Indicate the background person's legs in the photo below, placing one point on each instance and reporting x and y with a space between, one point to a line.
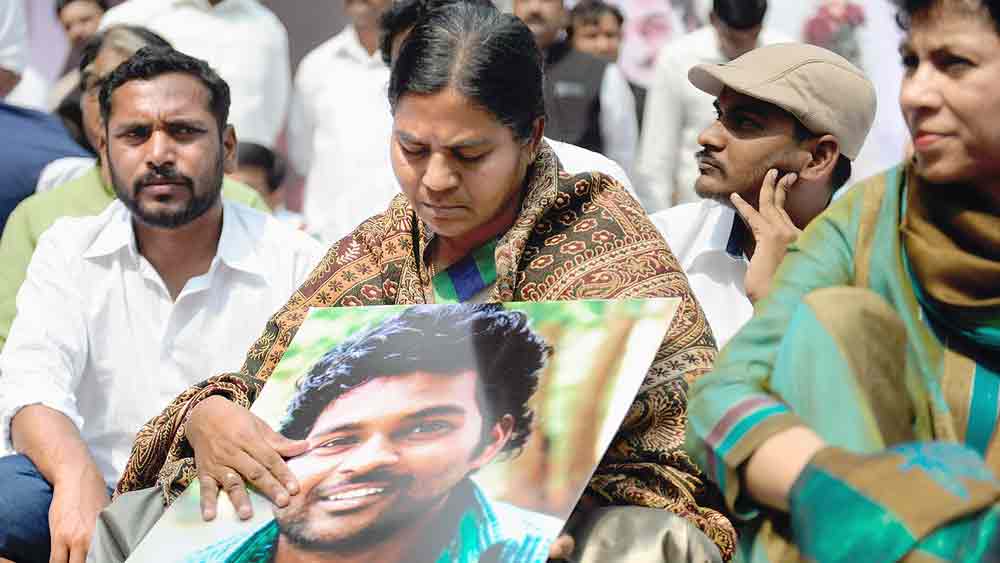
24 511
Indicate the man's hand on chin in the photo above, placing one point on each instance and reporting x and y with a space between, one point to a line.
772 231
77 500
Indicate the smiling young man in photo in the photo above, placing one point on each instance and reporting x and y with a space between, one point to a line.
397 419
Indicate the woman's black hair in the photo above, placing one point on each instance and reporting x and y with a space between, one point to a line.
489 57
909 8
402 15
396 19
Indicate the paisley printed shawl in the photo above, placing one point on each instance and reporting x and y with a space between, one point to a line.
576 237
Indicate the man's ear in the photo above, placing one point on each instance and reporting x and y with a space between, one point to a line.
824 151
229 144
494 442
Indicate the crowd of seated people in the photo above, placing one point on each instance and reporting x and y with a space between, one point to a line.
827 391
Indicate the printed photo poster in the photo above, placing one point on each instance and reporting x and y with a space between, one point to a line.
434 433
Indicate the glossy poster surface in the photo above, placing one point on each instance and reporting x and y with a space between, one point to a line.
435 433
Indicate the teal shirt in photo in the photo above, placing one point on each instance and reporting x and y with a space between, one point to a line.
487 531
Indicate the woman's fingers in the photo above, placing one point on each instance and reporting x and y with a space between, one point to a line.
278 448
261 476
233 484
209 496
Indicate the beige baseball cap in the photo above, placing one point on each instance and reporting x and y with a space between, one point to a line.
823 90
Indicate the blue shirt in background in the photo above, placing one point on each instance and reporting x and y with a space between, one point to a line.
29 141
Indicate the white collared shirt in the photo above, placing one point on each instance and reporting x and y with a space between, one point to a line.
675 115
702 237
98 338
241 39
339 131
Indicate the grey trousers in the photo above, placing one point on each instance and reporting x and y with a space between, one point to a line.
123 524
634 534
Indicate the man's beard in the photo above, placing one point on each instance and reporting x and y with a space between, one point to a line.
295 525
722 176
197 205
747 184
296 528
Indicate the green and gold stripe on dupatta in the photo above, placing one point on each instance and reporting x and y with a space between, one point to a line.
978 412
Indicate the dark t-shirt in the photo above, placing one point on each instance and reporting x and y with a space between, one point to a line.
572 90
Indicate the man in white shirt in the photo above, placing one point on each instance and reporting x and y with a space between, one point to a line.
340 124
588 101
122 311
243 40
676 112
791 118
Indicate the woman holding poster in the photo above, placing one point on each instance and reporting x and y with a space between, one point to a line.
486 215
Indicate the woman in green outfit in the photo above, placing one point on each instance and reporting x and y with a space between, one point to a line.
854 418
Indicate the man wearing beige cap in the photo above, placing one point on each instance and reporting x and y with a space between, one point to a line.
791 118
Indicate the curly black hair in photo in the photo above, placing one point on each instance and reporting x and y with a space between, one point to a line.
506 354
151 62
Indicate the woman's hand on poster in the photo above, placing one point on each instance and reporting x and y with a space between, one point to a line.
231 445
